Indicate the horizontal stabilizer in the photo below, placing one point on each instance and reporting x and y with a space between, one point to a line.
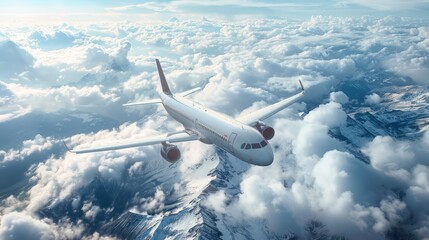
190 91
147 102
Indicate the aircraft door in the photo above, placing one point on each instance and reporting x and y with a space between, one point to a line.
231 141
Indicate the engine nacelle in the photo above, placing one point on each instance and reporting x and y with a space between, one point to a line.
266 131
170 152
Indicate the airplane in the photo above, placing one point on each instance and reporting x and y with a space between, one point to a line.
245 137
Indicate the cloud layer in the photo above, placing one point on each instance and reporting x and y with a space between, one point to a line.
354 89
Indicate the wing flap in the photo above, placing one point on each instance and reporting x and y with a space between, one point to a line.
181 136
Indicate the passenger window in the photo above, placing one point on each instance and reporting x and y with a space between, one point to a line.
256 145
264 143
248 146
242 145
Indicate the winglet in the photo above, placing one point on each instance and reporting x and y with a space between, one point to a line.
67 147
302 86
164 84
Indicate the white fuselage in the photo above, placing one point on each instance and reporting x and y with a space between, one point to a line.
240 140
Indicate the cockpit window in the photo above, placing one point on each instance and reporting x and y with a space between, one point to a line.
256 145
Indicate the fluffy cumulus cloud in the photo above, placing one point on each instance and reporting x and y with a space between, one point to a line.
38 144
332 175
352 198
52 41
329 114
155 204
373 99
339 97
14 61
20 226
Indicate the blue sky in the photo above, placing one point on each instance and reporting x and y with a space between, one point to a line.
51 6
267 8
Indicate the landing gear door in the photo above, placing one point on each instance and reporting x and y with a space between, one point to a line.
231 141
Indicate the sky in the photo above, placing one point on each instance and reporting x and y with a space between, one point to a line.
80 10
351 157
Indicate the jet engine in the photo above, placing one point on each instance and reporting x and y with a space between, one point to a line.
266 131
170 152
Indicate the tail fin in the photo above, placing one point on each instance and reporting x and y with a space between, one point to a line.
164 84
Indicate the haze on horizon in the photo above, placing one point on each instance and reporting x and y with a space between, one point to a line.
149 11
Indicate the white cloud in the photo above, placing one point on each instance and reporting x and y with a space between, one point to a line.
404 163
389 155
14 60
56 179
59 178
313 139
135 169
90 210
412 62
329 114
155 204
20 226
38 144
421 176
11 204
87 99
97 236
339 97
340 188
347 195
373 99
194 153
52 41
216 201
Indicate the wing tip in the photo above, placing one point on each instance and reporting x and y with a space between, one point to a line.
302 86
67 147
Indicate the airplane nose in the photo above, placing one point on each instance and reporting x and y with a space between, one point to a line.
266 157
269 157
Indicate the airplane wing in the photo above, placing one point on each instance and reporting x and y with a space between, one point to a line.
253 118
180 136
